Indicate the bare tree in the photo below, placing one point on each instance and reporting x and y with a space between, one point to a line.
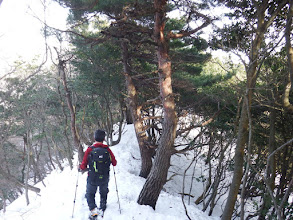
75 136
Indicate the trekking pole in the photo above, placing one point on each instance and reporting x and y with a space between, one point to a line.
75 193
116 189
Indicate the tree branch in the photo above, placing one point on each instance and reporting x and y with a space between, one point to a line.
14 180
184 33
198 125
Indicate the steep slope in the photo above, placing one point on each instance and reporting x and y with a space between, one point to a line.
56 200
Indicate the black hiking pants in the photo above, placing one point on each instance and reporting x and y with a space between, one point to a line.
91 189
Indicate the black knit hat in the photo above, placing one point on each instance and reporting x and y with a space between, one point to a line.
100 135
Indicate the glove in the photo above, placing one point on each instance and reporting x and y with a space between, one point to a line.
81 170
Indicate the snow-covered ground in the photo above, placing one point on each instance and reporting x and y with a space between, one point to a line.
56 199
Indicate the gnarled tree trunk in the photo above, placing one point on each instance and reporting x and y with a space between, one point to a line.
146 151
61 69
158 175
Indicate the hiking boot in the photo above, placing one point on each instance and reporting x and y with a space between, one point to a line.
94 212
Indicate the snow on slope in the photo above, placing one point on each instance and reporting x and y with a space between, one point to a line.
56 200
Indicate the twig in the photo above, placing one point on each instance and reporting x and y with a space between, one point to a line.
183 186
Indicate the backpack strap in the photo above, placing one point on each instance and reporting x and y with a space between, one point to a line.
95 147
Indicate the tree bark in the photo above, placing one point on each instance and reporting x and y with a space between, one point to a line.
146 151
158 175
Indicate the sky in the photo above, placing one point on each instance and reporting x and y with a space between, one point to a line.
56 199
20 28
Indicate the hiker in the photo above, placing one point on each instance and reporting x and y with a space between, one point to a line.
98 157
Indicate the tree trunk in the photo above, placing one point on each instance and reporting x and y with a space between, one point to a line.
128 116
242 138
28 147
68 149
61 69
158 175
263 22
68 145
121 121
146 151
289 50
49 152
3 197
271 168
56 151
271 174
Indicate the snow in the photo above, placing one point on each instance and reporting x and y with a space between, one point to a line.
56 199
